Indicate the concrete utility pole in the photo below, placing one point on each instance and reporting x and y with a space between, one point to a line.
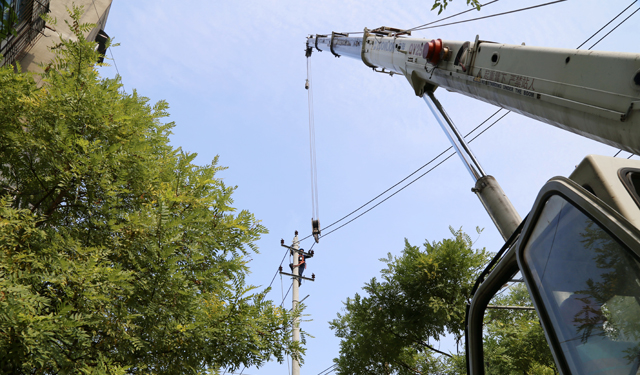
297 252
295 365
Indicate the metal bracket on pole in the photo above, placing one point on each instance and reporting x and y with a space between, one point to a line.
302 277
301 251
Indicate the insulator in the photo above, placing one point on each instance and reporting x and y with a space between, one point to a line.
281 242
313 276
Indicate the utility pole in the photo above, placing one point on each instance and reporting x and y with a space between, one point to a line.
296 251
295 364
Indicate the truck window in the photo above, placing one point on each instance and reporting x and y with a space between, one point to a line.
631 180
589 287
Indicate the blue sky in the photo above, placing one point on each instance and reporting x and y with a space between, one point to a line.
233 73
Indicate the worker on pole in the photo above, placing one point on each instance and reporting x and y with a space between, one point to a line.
302 264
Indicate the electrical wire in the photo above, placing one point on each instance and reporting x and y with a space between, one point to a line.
278 270
602 28
430 23
404 179
607 34
285 296
490 16
446 18
329 369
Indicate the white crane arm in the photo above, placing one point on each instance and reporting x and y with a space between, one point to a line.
594 94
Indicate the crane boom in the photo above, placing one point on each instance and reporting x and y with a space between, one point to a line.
581 232
591 93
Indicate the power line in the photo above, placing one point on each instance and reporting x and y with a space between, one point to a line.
431 23
328 369
607 34
614 18
446 18
492 15
404 179
285 296
277 271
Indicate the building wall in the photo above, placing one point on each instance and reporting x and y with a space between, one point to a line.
94 11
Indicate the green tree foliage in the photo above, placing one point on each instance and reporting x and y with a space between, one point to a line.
117 253
8 19
514 341
442 4
421 297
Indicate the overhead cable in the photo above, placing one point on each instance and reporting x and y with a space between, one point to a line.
431 23
285 296
607 24
607 34
492 15
412 181
446 18
328 369
406 178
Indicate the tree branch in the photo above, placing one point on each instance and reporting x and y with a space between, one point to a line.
434 349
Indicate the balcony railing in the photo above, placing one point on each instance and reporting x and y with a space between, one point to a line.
28 26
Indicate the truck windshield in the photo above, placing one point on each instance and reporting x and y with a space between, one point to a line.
589 284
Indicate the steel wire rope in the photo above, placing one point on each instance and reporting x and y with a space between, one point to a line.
492 15
312 146
412 173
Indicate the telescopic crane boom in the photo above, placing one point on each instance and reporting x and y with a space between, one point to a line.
578 250
594 94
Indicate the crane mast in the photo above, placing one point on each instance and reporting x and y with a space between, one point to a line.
590 93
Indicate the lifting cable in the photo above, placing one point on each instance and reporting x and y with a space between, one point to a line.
315 211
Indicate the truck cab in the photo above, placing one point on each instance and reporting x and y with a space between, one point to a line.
578 252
